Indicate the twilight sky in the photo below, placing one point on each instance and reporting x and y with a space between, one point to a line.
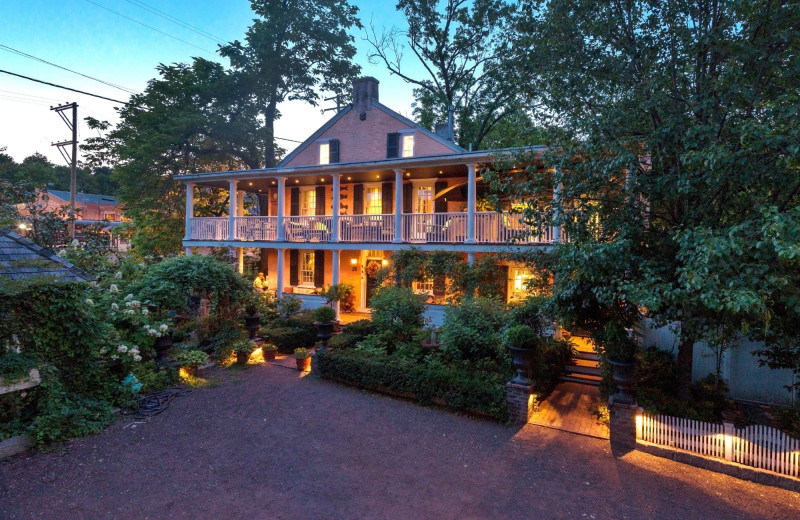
85 36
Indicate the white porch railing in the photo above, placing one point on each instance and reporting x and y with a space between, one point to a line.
366 228
757 446
256 228
497 228
434 227
210 228
315 228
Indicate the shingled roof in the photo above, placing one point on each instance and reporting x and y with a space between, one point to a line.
21 259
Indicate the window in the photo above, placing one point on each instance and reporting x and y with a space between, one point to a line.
424 202
423 287
308 201
408 145
324 153
374 201
111 217
307 268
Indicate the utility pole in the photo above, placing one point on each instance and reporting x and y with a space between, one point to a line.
72 159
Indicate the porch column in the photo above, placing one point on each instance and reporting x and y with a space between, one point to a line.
279 274
189 251
232 203
240 254
189 210
281 204
335 275
398 206
556 214
335 213
471 201
470 258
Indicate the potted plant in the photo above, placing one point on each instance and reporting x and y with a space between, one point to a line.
270 351
620 350
522 341
191 360
252 318
324 321
303 358
243 348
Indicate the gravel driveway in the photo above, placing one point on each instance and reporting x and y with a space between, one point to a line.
266 443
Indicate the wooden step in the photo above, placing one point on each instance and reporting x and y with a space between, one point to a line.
578 369
582 379
583 363
590 356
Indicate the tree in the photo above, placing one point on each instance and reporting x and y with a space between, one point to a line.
294 50
461 46
194 118
674 141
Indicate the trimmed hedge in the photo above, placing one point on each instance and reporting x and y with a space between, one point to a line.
289 338
431 383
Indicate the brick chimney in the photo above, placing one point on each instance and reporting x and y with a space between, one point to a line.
364 91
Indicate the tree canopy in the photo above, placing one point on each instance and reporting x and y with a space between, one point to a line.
675 146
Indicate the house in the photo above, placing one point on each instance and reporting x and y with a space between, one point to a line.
366 184
90 208
21 259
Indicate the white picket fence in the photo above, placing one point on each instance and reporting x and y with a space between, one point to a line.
757 446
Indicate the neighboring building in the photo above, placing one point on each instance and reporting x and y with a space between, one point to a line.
90 208
367 183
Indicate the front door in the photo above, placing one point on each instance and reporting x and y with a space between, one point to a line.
371 272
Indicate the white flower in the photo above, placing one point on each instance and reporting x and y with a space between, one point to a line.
134 350
75 243
135 303
130 311
118 275
113 289
137 357
153 332
145 312
163 327
62 253
114 307
122 349
114 356
128 297
89 302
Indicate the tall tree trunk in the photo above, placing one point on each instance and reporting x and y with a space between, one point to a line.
684 366
269 133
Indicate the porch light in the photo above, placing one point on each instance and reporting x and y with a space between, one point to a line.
273 183
349 178
354 264
384 262
249 183
408 174
297 181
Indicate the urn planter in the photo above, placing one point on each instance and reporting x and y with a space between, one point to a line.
622 375
522 359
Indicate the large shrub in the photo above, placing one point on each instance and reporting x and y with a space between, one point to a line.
397 314
171 283
434 382
472 330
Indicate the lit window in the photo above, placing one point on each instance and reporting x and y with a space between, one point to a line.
309 202
408 145
423 287
307 268
111 217
374 201
324 153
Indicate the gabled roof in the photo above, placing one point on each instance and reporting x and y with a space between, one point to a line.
22 259
86 198
376 104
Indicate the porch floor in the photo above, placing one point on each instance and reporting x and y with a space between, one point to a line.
572 407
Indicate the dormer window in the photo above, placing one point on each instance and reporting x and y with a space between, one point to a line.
328 151
408 145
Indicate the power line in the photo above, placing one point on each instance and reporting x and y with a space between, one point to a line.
149 27
62 86
30 56
177 21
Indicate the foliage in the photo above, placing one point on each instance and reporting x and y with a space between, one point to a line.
287 338
37 170
301 353
521 336
269 346
14 365
616 343
471 331
788 420
674 142
461 46
361 328
63 415
288 305
344 340
397 314
294 51
344 293
243 346
548 365
191 358
169 285
531 312
435 382
324 314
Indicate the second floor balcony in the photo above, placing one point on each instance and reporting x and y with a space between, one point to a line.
415 228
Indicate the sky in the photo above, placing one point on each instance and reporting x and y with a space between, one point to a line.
109 40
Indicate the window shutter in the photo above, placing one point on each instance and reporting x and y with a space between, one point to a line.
392 145
294 278
387 194
439 205
408 193
320 209
333 147
358 199
294 202
319 268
